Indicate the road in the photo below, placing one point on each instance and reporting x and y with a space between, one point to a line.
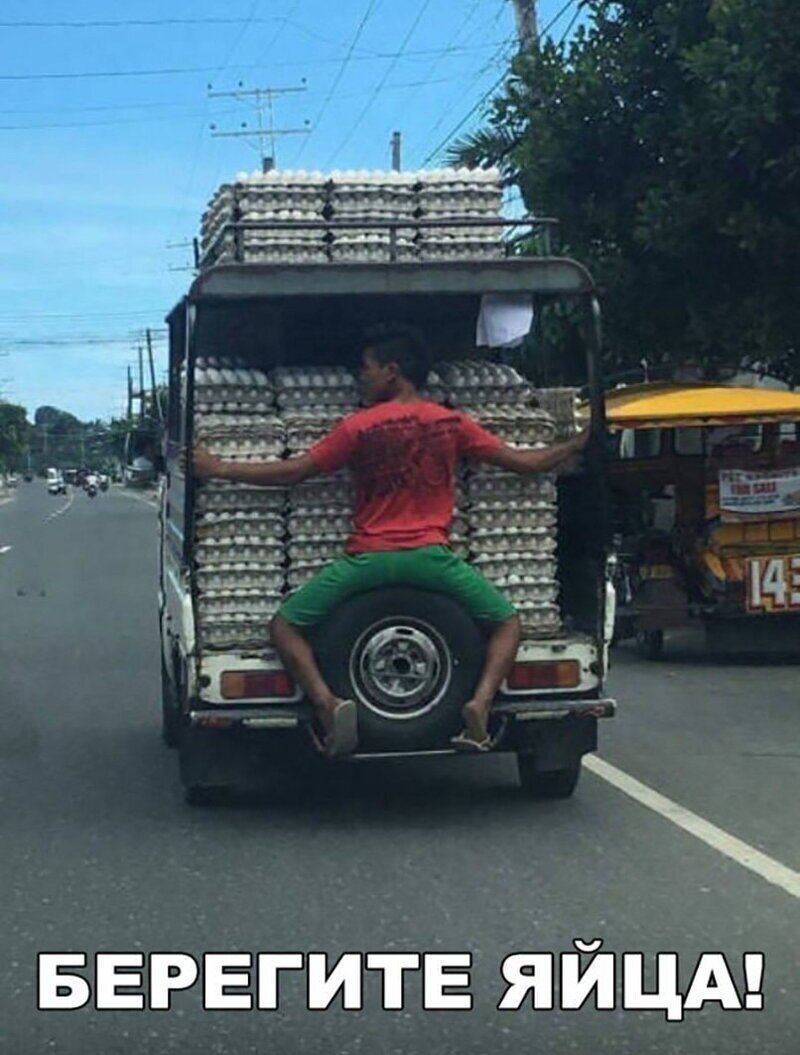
101 853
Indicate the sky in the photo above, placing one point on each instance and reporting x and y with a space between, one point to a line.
107 156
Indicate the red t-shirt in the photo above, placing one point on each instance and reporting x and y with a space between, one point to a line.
403 457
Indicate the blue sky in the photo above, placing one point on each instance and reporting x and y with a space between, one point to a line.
100 174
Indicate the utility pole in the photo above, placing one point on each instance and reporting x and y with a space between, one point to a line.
141 385
265 134
397 151
156 399
130 395
527 23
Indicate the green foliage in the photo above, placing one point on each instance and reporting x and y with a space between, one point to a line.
13 434
664 137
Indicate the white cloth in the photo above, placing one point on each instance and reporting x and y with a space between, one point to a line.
505 319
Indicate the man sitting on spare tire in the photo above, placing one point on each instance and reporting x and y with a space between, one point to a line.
403 453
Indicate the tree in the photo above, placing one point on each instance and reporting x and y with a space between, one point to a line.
664 136
13 434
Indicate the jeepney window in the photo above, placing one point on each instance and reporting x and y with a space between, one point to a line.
640 443
714 441
689 442
744 437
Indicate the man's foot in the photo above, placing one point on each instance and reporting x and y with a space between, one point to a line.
475 735
339 729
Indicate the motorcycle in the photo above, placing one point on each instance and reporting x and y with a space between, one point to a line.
91 490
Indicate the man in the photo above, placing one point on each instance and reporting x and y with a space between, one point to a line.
403 452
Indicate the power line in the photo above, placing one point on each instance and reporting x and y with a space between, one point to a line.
160 22
165 119
377 56
502 78
378 88
498 55
342 69
572 22
562 11
82 315
439 59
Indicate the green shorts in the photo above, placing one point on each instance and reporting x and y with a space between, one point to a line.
429 568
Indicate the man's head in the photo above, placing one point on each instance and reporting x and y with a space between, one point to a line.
395 358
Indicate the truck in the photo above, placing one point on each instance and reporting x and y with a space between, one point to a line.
263 351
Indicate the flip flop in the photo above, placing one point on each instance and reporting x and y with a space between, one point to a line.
467 745
343 737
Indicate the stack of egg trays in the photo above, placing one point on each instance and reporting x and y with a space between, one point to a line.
562 404
435 389
319 515
460 194
238 530
298 197
513 540
473 384
239 552
512 519
356 197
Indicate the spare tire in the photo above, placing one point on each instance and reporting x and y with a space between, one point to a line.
409 658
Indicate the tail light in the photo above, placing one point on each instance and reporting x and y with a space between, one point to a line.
563 674
255 684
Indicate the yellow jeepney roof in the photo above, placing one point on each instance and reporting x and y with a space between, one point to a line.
671 405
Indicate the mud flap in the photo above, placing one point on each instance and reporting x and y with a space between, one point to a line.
210 758
558 744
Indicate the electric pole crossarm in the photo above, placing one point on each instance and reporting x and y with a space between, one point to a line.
262 101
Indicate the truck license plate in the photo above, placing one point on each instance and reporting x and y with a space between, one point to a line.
773 584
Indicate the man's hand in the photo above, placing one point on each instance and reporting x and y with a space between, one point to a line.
205 465
538 460
580 439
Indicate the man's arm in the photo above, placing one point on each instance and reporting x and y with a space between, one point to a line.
285 473
541 460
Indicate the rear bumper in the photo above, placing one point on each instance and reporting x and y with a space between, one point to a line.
291 715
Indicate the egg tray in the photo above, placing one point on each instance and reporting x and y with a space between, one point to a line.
236 577
486 542
202 409
532 515
315 550
319 520
209 553
238 497
332 490
267 530
532 566
487 483
246 426
222 636
257 451
251 603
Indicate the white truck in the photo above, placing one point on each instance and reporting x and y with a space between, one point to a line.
263 353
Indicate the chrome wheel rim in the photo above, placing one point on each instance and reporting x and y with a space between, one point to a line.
400 669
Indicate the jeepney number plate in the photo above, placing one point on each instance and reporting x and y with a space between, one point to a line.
773 584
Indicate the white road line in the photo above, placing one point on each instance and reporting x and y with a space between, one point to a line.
138 498
63 509
747 856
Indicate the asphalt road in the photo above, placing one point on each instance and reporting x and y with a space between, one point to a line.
99 852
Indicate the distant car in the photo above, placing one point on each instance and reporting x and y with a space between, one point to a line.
28 476
56 486
71 475
12 480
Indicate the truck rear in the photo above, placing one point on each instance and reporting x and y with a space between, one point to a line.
264 351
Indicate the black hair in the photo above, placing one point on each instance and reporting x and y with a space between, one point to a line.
404 345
